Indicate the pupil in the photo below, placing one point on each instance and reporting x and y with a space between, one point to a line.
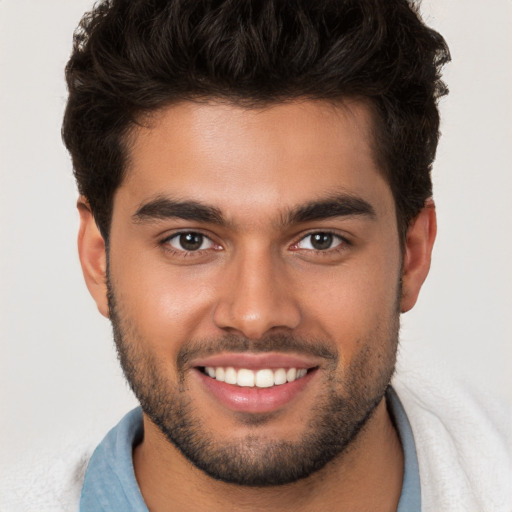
321 241
191 241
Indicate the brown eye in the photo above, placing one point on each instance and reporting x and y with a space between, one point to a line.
190 242
320 241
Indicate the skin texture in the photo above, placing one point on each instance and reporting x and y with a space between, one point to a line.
257 279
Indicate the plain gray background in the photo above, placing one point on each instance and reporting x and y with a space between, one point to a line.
58 370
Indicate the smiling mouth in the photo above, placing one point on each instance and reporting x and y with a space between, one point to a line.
262 378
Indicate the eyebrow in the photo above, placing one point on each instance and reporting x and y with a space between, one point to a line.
341 205
163 208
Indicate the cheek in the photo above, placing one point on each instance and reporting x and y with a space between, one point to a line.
168 305
353 304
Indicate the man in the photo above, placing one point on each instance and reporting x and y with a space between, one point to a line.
256 213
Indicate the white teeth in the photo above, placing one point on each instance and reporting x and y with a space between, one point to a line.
245 378
280 377
264 378
230 376
291 374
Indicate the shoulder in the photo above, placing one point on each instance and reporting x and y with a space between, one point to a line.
463 438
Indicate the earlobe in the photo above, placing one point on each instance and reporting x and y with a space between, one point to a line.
417 255
93 257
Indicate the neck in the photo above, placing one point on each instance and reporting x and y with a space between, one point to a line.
368 476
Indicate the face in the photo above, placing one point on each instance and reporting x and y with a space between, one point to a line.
254 283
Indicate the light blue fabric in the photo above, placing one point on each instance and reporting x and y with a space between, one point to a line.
110 484
410 498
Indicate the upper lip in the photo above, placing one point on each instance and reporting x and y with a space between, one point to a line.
256 360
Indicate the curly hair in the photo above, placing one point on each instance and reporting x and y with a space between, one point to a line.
133 57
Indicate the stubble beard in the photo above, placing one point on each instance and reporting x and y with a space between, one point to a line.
336 419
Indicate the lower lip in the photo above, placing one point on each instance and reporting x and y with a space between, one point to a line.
255 400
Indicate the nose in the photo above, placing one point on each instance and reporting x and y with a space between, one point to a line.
256 297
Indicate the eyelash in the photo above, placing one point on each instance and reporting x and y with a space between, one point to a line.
165 243
342 245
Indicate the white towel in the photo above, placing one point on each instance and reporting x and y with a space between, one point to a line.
463 440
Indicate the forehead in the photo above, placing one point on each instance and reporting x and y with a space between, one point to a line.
245 160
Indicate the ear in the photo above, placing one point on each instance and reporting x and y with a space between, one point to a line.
93 256
417 255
